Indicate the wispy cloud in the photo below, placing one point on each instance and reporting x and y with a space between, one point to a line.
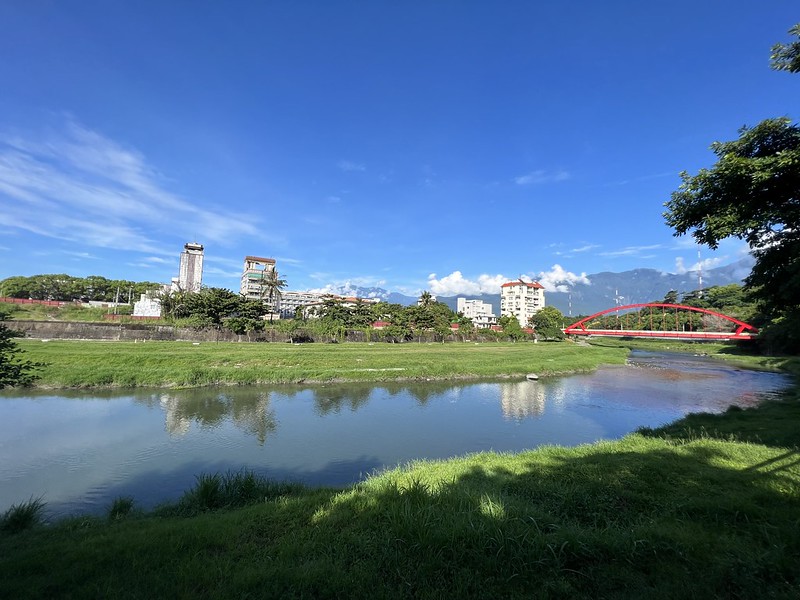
541 176
632 250
644 178
349 165
80 186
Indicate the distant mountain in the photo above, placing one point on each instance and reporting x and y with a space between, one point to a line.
640 285
630 287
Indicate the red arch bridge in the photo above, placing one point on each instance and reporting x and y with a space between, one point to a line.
663 321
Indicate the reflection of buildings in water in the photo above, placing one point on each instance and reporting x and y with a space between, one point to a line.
522 399
174 422
249 411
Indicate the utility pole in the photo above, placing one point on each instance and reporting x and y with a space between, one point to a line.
699 276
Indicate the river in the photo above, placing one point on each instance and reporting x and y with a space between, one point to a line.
80 450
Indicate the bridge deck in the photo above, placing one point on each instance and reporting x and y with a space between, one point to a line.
669 335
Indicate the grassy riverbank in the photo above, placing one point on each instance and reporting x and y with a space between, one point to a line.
640 517
705 507
128 364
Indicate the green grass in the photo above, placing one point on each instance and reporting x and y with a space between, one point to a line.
20 517
107 364
640 517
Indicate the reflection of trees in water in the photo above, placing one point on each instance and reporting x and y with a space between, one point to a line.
249 410
331 398
423 392
522 399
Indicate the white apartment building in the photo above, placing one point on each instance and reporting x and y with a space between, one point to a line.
521 299
480 313
291 301
256 270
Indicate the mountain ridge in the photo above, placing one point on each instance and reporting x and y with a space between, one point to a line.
603 291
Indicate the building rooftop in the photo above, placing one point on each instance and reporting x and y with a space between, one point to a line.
530 284
259 259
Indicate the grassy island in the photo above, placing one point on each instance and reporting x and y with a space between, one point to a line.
128 364
706 507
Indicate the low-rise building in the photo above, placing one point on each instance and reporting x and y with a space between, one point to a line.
480 313
521 299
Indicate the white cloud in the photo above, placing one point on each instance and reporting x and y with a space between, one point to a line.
632 250
542 176
558 279
83 187
349 165
704 265
456 284
585 248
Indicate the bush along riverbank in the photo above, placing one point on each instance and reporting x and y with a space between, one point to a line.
692 510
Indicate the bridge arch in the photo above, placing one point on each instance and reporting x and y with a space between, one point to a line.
743 331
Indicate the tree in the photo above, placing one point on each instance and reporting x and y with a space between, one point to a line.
786 57
214 304
752 193
548 323
13 370
270 286
426 299
511 327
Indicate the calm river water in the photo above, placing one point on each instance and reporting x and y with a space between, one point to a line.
80 450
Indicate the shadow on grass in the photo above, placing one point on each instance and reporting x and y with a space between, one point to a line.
636 518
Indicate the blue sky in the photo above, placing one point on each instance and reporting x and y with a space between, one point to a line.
410 145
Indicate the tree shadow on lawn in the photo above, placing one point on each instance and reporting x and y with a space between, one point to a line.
655 521
636 518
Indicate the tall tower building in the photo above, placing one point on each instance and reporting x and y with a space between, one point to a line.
190 278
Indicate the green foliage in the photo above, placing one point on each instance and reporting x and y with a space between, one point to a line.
13 370
548 323
120 508
20 517
786 57
67 288
511 328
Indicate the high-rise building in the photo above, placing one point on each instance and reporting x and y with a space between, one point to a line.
257 271
190 276
521 299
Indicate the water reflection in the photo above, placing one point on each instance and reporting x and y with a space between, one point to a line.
248 409
79 449
522 400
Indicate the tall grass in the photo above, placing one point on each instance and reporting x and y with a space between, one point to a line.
233 489
25 515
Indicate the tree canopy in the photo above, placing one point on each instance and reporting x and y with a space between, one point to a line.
752 193
786 57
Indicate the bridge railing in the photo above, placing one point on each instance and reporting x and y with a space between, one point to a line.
657 319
